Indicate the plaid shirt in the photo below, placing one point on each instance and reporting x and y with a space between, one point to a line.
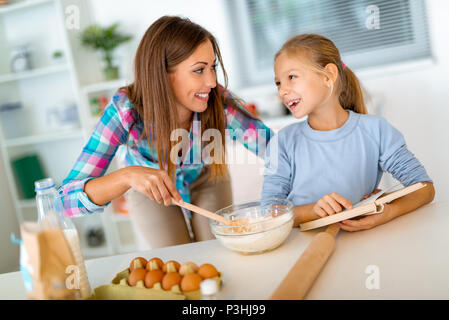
110 137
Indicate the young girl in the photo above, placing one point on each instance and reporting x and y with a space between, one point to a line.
331 161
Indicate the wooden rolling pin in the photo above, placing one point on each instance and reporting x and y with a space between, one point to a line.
306 269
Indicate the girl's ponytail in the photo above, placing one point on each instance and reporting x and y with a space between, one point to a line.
351 95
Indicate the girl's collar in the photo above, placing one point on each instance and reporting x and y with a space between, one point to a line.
332 135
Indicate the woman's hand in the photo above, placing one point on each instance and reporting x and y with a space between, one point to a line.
154 183
330 204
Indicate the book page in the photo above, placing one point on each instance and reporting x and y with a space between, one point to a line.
374 197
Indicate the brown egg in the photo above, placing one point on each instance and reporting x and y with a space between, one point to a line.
171 266
136 275
188 267
191 282
207 271
154 263
137 263
152 277
170 279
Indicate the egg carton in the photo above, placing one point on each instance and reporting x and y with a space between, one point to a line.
121 290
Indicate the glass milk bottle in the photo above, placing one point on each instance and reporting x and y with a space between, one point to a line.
50 210
209 289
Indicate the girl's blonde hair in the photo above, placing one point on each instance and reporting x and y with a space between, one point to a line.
321 51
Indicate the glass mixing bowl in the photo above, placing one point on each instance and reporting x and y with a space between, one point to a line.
266 224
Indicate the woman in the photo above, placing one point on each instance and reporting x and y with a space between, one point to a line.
175 88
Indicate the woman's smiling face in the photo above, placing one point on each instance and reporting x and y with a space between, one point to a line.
193 79
301 89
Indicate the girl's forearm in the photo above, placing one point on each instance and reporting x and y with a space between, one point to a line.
102 190
304 213
396 208
411 201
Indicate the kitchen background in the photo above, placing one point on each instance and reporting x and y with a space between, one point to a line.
53 87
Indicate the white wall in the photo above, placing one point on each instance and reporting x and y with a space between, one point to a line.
417 100
9 260
136 16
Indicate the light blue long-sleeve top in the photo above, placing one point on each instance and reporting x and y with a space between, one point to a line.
303 164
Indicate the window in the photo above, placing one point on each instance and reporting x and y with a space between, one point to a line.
368 33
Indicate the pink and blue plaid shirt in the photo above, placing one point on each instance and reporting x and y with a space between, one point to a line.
110 137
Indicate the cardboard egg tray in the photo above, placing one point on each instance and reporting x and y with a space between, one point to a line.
121 290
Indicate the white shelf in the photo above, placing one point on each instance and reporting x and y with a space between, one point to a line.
44 138
104 86
34 73
22 5
128 248
28 203
92 252
73 71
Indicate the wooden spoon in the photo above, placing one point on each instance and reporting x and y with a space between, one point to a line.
209 214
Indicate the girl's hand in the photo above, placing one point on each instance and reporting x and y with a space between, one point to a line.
154 183
364 223
330 204
372 194
367 222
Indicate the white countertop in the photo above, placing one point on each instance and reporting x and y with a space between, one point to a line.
410 252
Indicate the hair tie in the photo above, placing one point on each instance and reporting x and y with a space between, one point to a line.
343 64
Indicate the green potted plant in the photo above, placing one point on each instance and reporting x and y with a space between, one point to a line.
105 40
58 56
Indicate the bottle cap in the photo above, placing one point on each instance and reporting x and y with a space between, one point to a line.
209 286
43 184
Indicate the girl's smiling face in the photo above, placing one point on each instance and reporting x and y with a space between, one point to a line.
301 89
193 79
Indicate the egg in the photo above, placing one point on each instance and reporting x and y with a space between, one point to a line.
191 282
207 271
154 263
188 267
170 279
138 262
171 266
152 277
136 275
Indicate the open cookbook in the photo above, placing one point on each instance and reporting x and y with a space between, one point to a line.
371 205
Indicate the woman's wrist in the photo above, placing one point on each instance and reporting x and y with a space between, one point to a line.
126 176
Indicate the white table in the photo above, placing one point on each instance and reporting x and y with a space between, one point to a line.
411 254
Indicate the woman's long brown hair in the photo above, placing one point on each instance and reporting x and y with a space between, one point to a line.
322 51
167 42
